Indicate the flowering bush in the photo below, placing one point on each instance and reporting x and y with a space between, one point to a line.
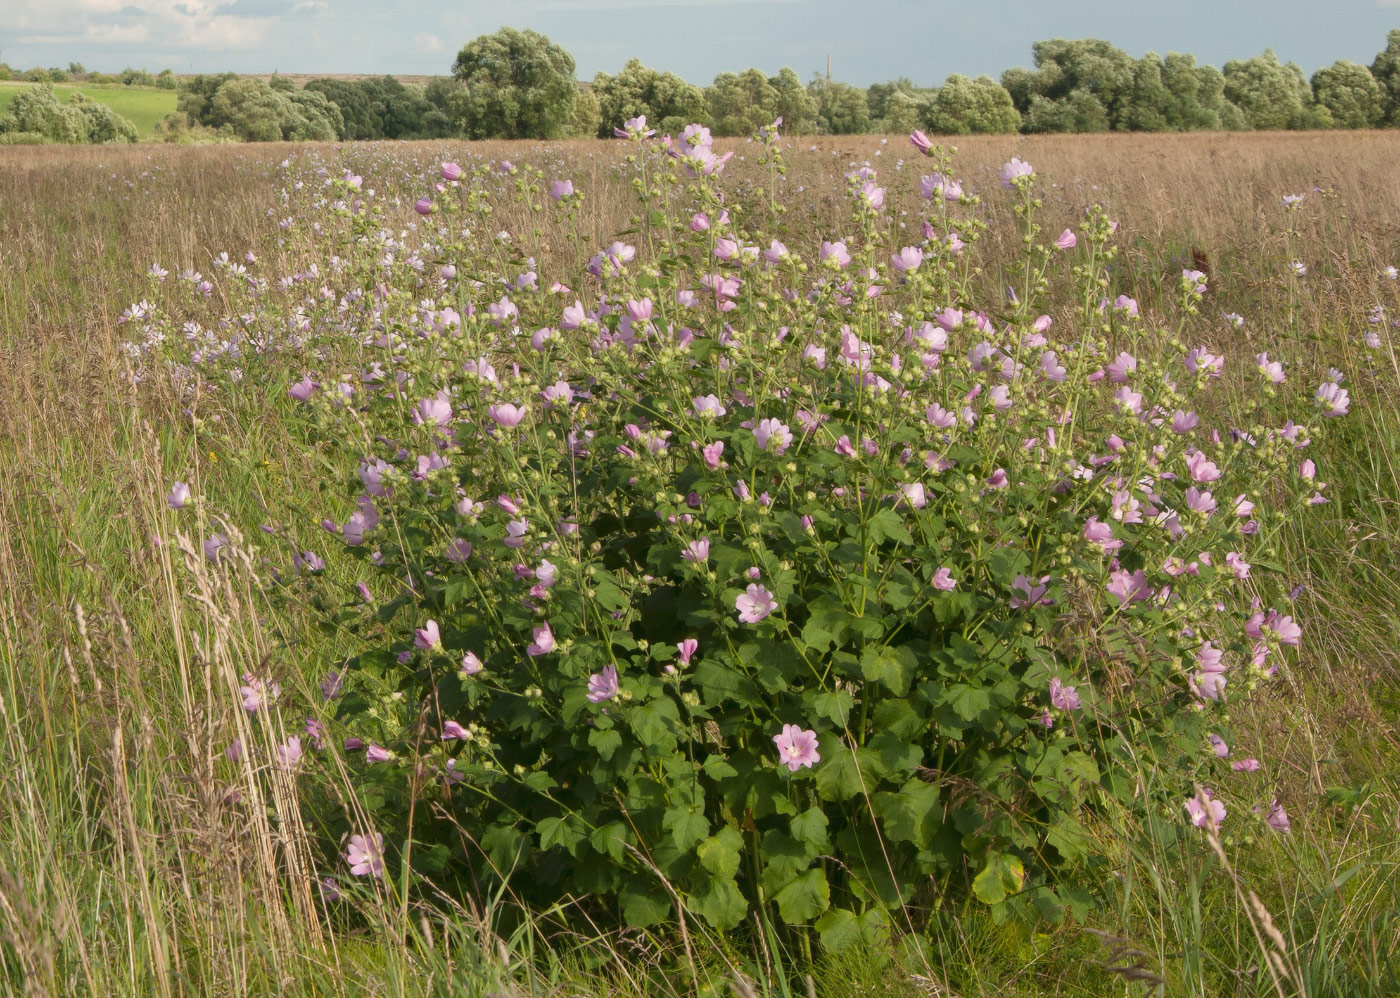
734 575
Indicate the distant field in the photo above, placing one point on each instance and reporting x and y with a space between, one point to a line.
142 107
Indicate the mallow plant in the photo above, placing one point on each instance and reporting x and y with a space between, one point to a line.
725 576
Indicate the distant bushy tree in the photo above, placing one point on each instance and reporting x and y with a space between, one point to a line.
137 78
165 80
80 119
76 69
879 95
1081 85
972 107
1271 94
278 82
841 108
255 112
669 102
742 103
587 119
1385 70
1350 94
6 73
58 75
197 93
519 85
37 75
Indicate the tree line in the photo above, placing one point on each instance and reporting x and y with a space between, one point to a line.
519 84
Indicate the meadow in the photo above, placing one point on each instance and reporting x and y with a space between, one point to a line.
143 107
145 632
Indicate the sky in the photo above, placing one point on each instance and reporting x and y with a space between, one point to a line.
869 41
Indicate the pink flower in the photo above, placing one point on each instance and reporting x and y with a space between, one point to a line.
908 259
1276 625
1122 368
1278 818
1029 593
697 552
635 128
179 496
797 747
835 254
1218 746
712 454
435 411
471 665
377 753
1209 682
754 604
686 650
1101 534
921 141
543 643
289 753
1051 367
1204 810
427 637
1063 697
258 694
1237 565
603 685
506 415
913 493
365 854
1201 468
1202 361
1067 240
943 579
451 172
1128 587
451 730
1272 370
1012 172
997 479
515 533
561 189
303 389
772 432
1332 400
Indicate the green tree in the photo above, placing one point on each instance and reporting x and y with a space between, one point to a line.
255 112
1089 78
519 85
197 94
1270 94
102 124
37 109
903 112
165 79
741 103
1385 70
794 104
879 95
587 120
972 107
841 108
1350 94
669 102
76 69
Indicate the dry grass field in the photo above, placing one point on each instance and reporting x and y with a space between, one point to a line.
124 870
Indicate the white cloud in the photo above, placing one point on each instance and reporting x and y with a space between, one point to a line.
428 43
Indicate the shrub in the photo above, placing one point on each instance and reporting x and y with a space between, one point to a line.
755 578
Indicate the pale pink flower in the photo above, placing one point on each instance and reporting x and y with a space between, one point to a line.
506 415
697 552
1012 172
471 665
543 643
797 747
943 579
1029 594
1063 697
603 685
754 604
908 259
1067 240
772 435
365 854
1204 810
428 637
686 650
179 496
435 411
289 753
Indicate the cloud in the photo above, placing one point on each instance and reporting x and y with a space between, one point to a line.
428 43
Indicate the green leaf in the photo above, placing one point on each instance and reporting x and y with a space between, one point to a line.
719 901
841 930
887 525
610 840
967 701
642 907
686 826
835 706
720 852
894 667
805 898
1003 875
717 768
557 832
837 777
605 742
810 827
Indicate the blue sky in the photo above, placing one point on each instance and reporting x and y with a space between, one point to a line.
868 40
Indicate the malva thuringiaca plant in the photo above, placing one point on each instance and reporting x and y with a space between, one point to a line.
729 577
